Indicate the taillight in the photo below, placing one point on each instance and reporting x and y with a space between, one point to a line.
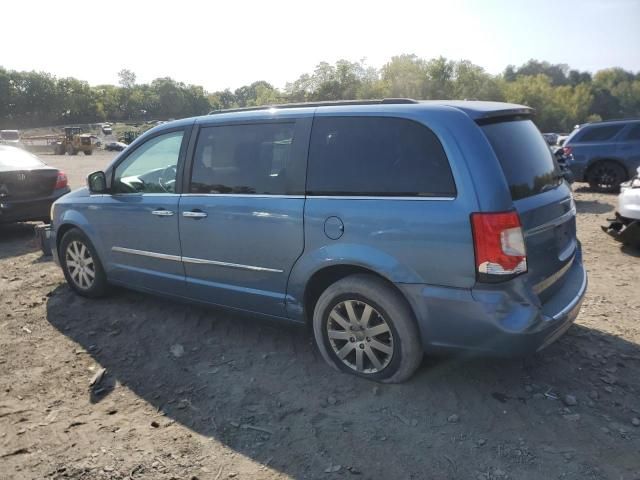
61 181
567 150
499 246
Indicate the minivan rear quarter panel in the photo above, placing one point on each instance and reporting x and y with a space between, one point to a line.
426 241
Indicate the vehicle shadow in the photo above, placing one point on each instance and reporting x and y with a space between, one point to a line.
17 239
264 391
630 250
593 206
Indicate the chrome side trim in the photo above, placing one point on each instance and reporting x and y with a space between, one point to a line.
357 197
328 197
197 261
140 194
547 282
241 195
144 253
201 261
552 223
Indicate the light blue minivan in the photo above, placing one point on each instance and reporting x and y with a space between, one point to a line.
392 228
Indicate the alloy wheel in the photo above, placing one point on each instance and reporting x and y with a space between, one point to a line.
360 336
606 177
80 265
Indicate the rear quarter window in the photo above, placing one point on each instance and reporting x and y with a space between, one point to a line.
524 156
633 134
377 156
598 134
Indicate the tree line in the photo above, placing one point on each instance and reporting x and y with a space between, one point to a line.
562 97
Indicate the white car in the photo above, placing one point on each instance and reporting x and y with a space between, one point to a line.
11 138
626 226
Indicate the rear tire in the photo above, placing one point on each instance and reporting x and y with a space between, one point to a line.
385 347
88 152
606 176
81 266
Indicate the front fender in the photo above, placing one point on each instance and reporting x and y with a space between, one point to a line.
77 218
343 254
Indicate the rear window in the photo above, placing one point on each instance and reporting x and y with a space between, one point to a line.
16 159
525 157
376 156
599 134
9 135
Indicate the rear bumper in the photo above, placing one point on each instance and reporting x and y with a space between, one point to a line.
509 322
31 209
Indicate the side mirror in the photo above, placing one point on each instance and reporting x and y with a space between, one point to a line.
97 182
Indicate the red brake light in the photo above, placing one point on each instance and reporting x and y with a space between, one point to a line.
499 245
567 150
61 181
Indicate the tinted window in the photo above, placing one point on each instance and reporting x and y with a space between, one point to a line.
151 168
525 157
376 156
10 135
16 159
634 133
600 134
247 159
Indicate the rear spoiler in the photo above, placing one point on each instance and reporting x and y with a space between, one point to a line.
508 115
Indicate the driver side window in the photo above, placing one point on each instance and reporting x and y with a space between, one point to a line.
152 167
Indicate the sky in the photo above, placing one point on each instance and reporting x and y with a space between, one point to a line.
229 44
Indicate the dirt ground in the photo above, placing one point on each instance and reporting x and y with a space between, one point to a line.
191 393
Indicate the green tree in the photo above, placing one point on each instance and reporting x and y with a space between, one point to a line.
472 82
561 96
127 78
405 76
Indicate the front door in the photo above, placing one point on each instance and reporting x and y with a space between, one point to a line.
138 223
241 224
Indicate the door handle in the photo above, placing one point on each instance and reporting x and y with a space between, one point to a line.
161 212
196 214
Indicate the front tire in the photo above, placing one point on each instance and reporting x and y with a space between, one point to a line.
606 177
81 266
364 326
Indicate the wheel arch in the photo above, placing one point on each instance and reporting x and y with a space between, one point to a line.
322 278
62 230
334 261
600 160
70 219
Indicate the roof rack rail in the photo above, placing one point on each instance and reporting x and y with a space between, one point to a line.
630 119
334 103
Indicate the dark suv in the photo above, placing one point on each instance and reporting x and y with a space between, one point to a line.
605 154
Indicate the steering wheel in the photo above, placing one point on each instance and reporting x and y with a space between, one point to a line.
170 174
